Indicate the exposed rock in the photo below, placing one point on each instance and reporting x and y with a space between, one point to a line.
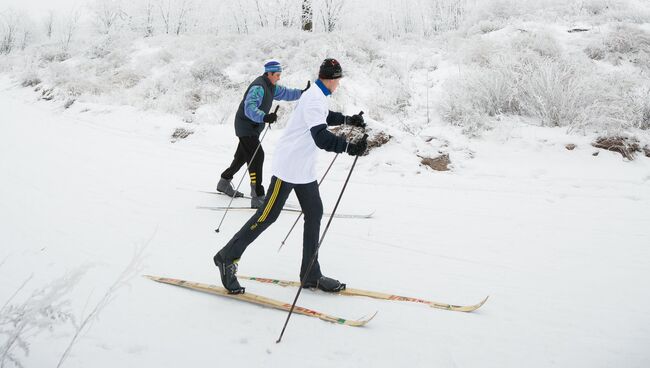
627 147
440 163
47 94
354 134
31 82
181 133
646 150
378 140
570 146
595 153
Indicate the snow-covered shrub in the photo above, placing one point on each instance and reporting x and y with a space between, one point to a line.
208 70
539 41
498 9
641 108
594 7
30 79
42 311
632 11
480 51
555 92
485 26
595 52
51 55
125 78
627 39
624 43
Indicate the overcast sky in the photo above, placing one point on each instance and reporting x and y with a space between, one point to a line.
38 7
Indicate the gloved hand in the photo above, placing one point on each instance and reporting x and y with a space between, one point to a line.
306 88
356 120
270 118
358 148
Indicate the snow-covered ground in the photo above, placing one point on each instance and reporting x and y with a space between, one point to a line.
559 239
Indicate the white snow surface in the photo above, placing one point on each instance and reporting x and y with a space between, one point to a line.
558 239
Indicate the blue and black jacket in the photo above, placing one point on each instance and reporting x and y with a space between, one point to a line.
257 102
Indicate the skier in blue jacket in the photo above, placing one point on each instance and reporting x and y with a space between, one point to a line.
252 114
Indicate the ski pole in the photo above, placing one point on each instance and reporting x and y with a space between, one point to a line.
245 171
313 258
319 183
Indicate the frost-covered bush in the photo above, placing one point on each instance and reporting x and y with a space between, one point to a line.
555 92
42 311
485 26
540 42
487 91
209 70
627 39
125 78
632 11
594 7
641 108
532 77
30 79
50 55
624 43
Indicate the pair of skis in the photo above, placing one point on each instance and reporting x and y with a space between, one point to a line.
288 207
272 303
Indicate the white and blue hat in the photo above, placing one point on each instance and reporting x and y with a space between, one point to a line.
272 66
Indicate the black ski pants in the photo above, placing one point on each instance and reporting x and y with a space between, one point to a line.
312 207
245 150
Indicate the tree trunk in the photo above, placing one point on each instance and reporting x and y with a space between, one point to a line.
307 15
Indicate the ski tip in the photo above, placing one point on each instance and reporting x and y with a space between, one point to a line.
474 307
368 319
363 320
154 278
483 302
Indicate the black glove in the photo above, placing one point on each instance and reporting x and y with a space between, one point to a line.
306 88
270 118
355 120
358 148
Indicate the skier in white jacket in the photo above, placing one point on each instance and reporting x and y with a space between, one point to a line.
294 168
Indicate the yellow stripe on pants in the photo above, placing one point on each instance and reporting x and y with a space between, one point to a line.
274 195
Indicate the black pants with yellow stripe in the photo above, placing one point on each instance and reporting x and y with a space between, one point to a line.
312 207
245 150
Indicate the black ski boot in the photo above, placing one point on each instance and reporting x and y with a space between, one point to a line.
225 186
326 284
228 271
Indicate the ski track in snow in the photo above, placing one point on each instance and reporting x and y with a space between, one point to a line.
557 238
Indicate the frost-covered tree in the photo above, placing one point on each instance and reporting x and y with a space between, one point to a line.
184 8
48 23
9 22
175 15
149 19
331 13
69 28
107 13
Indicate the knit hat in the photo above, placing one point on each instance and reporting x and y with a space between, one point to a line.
330 69
272 66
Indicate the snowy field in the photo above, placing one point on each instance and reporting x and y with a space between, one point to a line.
557 238
95 192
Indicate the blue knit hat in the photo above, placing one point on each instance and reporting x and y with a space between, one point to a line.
272 66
